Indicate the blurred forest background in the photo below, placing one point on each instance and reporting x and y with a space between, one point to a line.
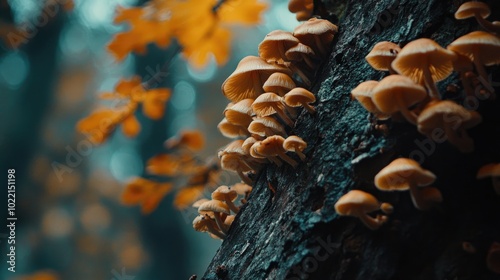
76 227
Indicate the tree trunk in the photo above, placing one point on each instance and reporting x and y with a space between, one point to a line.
295 233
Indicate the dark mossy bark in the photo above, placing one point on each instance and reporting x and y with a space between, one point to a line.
295 233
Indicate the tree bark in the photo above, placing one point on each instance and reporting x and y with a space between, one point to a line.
295 233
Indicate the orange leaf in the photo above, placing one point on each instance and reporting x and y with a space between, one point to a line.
246 12
137 190
189 139
130 87
153 105
187 196
98 125
153 200
217 43
131 126
163 164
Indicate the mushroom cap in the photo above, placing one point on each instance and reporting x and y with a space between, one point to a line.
421 54
254 150
295 6
298 96
214 206
247 80
279 83
386 94
264 104
197 203
241 188
275 44
240 113
297 52
489 170
382 55
446 113
235 147
400 173
355 203
294 143
224 193
234 162
200 223
258 126
231 130
271 146
247 144
470 9
478 46
364 93
306 32
229 220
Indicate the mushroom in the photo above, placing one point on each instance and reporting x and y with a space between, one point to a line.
364 93
235 161
199 202
482 48
453 119
396 93
491 170
218 208
317 34
231 130
493 258
204 224
254 152
382 55
279 83
248 78
223 193
463 65
240 113
266 126
406 174
275 45
242 189
480 11
303 9
425 62
270 103
295 144
300 97
301 53
358 204
273 146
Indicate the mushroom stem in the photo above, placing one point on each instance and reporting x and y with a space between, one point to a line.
219 222
283 116
309 108
417 198
301 155
244 177
489 26
301 74
431 85
288 159
410 116
370 222
309 62
231 205
319 44
480 69
274 160
466 83
215 232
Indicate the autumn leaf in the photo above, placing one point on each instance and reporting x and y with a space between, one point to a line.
151 202
218 44
187 139
131 126
145 192
153 105
187 196
98 125
245 12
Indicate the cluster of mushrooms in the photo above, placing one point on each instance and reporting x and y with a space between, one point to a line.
303 9
264 95
410 92
215 215
264 92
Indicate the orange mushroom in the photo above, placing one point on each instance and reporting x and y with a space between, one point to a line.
217 208
270 103
204 224
240 113
364 93
275 45
266 126
303 9
358 204
480 11
317 34
295 144
279 83
491 170
227 195
231 130
382 55
273 146
300 97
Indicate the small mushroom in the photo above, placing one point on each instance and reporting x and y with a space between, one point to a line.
279 83
453 119
303 9
358 204
236 162
204 224
396 93
406 174
480 11
382 55
270 103
231 130
266 126
217 208
295 144
387 208
364 93
482 48
300 97
317 34
425 62
240 113
275 45
491 170
301 62
242 189
273 146
249 77
224 193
